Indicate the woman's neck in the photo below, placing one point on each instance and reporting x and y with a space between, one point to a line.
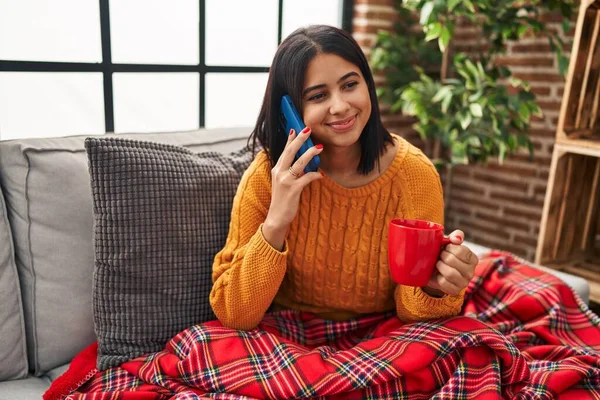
341 165
341 162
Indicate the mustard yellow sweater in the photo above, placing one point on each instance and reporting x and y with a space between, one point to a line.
334 262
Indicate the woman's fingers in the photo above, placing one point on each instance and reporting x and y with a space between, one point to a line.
457 237
455 267
452 274
447 279
303 161
295 141
441 282
308 178
459 259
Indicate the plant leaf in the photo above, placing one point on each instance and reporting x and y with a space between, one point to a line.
515 82
446 103
476 110
433 31
524 112
522 30
501 152
537 111
453 135
563 64
530 148
469 5
495 126
444 38
452 4
475 96
465 120
472 69
474 141
426 12
459 153
441 94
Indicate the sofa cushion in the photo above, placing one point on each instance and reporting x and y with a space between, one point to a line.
30 388
53 374
13 349
46 185
161 214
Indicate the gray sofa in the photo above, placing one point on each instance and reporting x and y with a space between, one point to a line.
47 254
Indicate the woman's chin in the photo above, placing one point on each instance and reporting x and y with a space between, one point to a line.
345 138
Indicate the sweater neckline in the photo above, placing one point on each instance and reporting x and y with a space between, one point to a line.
377 183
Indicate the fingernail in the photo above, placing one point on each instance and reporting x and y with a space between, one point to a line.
291 132
319 146
306 130
459 237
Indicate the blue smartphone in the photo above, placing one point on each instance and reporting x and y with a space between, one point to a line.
290 119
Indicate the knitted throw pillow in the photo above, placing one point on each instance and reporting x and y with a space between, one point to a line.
161 213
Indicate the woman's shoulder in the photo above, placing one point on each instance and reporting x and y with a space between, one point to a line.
261 160
259 169
413 158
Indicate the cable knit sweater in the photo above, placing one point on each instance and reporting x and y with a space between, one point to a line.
334 262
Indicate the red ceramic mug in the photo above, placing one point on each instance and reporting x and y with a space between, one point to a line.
414 247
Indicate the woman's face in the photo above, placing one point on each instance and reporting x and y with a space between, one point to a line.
335 101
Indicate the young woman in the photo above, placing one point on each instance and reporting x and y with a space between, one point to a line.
317 242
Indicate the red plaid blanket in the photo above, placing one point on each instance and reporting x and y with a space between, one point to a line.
522 334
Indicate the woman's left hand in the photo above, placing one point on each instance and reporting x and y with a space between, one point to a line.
454 269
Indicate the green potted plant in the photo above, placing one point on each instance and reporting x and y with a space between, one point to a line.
464 111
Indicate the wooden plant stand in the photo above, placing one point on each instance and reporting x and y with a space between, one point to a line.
569 238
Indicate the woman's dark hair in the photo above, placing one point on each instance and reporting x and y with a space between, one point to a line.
286 76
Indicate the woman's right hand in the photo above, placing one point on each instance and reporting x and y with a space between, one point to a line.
286 188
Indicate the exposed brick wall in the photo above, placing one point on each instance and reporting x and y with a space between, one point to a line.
496 205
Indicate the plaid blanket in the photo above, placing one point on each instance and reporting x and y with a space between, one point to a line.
522 334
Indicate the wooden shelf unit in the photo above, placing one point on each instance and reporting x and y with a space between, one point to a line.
569 238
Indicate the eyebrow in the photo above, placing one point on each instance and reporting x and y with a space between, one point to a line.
310 89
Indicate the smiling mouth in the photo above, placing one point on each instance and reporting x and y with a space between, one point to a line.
343 124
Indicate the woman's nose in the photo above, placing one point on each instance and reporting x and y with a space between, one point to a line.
338 105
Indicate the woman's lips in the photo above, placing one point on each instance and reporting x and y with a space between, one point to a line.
343 125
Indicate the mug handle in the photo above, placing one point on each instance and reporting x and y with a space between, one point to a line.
446 240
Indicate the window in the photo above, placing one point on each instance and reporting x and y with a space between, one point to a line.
89 67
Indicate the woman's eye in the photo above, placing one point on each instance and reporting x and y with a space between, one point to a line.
317 96
350 85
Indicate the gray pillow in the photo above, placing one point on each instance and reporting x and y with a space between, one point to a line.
161 213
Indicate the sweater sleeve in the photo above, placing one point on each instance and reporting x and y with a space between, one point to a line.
248 271
425 188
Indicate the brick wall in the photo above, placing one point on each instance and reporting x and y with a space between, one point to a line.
496 205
